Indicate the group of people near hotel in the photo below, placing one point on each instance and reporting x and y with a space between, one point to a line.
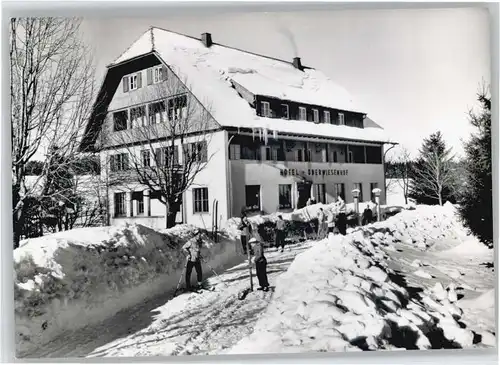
327 223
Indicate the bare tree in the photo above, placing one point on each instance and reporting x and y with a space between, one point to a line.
165 141
52 85
403 166
435 175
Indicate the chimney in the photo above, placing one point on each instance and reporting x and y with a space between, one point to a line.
297 64
206 38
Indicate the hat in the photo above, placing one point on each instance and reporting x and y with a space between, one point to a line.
252 240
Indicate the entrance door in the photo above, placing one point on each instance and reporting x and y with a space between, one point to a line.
303 194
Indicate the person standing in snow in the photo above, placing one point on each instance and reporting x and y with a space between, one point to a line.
341 219
321 224
367 216
260 263
245 231
192 248
280 233
330 222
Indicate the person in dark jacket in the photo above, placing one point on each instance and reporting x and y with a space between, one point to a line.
367 216
341 218
193 253
280 233
260 263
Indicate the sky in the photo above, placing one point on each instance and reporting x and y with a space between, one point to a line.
414 72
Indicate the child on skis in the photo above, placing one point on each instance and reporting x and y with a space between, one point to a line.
260 263
321 224
192 248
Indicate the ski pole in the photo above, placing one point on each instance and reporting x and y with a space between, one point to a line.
180 280
211 268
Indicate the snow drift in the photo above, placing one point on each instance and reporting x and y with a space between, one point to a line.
340 295
75 278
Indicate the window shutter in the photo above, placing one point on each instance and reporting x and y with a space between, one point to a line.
139 80
158 157
125 161
163 73
176 155
204 152
112 163
149 76
125 84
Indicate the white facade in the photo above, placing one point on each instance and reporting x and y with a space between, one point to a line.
241 93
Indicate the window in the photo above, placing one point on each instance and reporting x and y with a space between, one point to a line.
335 156
138 200
157 74
357 154
167 156
299 155
285 196
196 152
119 162
234 152
252 197
285 111
315 115
134 81
146 158
350 157
327 117
359 186
120 120
302 113
339 190
200 200
120 204
341 119
138 116
373 186
177 107
271 153
265 109
319 193
250 152
373 155
157 113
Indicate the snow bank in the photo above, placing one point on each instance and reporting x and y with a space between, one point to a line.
425 227
353 301
75 278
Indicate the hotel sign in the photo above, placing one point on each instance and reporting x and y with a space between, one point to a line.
313 172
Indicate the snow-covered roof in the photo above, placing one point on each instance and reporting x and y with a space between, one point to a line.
209 71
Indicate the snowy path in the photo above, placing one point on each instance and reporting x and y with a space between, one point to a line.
189 324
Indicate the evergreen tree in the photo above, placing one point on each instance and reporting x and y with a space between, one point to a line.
433 177
476 197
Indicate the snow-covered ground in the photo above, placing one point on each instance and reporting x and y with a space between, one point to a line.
72 279
414 281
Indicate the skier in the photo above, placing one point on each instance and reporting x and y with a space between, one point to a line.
280 233
192 248
367 216
260 264
341 219
331 222
245 231
321 223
